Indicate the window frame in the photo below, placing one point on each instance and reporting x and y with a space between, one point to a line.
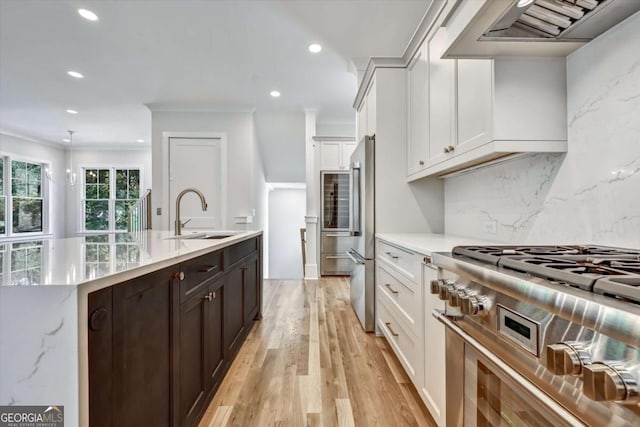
111 202
8 196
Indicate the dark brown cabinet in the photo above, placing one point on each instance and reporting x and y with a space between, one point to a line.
160 344
130 352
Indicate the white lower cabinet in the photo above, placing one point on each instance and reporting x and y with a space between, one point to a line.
403 315
433 384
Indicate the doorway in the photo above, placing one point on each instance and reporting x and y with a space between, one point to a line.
198 163
287 204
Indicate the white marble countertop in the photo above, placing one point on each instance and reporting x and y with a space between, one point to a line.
104 259
426 243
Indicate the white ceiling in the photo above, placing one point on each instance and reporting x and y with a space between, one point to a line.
184 54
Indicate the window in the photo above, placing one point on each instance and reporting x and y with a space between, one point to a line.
22 197
108 195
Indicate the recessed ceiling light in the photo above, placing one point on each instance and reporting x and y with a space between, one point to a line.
524 3
315 48
140 140
70 111
66 140
275 93
88 15
75 74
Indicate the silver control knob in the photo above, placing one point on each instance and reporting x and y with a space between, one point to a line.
474 305
446 291
455 298
603 382
437 284
567 358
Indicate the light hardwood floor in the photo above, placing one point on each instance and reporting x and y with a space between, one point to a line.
309 363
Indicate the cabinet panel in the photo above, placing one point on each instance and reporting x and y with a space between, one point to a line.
100 358
330 152
141 350
371 108
474 100
233 307
418 111
192 350
347 150
215 349
251 290
361 120
433 386
441 98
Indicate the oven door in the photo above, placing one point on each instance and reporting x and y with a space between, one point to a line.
483 391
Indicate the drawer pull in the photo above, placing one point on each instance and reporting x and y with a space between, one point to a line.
208 297
390 288
179 276
392 255
208 269
426 260
394 333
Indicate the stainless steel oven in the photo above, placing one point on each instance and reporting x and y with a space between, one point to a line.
541 336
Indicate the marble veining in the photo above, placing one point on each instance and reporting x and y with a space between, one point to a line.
588 195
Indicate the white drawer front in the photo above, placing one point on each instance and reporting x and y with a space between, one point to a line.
405 344
406 261
404 295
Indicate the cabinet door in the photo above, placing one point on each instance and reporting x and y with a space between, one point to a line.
100 358
141 350
418 111
433 386
330 155
371 108
251 290
441 98
215 348
347 149
192 350
361 120
474 101
233 306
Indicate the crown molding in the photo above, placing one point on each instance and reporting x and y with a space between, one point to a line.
424 27
32 139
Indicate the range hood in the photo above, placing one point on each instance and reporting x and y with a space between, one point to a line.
560 19
493 28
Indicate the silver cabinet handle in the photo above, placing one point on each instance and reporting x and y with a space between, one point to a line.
445 149
336 257
421 162
208 297
208 269
393 291
392 255
355 261
394 333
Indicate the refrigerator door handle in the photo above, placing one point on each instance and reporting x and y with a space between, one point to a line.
355 199
351 254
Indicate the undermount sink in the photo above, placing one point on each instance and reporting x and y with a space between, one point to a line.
204 236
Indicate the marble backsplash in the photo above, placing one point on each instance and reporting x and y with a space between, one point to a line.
590 194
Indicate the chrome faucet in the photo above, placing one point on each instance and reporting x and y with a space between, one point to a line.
178 226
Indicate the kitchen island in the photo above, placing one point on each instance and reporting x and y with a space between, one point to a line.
46 289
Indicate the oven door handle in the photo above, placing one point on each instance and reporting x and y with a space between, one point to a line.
510 372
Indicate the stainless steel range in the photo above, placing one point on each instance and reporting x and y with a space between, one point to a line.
541 335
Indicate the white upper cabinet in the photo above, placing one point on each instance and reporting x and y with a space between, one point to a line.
371 108
441 99
474 98
361 120
334 154
418 111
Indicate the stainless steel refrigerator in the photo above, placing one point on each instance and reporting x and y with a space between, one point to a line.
363 229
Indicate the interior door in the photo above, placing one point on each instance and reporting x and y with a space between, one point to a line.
196 163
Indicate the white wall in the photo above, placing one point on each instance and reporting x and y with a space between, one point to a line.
281 138
336 128
400 207
244 168
287 207
48 153
589 195
136 158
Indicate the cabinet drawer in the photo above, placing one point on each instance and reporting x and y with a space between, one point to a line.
404 260
336 264
335 242
241 250
403 294
198 270
405 345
